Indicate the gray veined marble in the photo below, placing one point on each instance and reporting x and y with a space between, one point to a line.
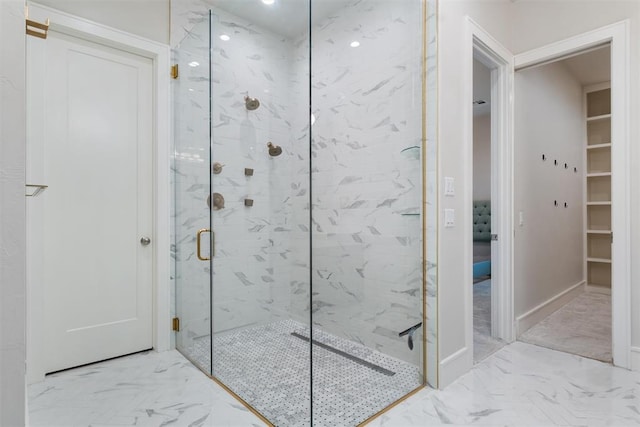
527 385
148 389
520 385
366 113
430 206
348 166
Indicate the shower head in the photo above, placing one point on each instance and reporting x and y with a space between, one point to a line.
274 150
251 103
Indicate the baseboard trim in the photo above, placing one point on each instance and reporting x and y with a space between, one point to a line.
454 366
537 314
635 358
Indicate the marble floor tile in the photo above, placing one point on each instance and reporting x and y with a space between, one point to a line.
520 385
145 389
527 385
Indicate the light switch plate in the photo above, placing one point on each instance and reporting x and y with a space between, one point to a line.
449 186
449 218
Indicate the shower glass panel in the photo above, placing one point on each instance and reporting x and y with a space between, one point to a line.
366 162
299 144
260 140
192 186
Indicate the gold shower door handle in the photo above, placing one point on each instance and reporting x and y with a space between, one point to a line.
199 244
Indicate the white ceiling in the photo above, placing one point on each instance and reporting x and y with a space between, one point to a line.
591 67
289 18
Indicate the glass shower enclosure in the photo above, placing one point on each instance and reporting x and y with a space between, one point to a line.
298 179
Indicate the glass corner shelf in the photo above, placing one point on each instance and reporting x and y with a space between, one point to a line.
412 152
412 148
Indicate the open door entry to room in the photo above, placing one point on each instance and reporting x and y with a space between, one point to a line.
605 132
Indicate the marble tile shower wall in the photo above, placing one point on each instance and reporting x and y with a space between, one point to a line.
366 174
300 288
367 104
431 195
252 263
252 266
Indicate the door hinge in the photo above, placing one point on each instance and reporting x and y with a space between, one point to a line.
36 29
175 324
494 237
174 71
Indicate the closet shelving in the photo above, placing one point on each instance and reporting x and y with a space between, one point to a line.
598 186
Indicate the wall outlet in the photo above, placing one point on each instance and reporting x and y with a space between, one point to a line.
449 218
521 219
449 186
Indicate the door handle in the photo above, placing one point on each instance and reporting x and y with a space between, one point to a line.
199 244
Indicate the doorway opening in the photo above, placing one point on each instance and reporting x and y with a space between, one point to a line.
563 114
484 342
492 313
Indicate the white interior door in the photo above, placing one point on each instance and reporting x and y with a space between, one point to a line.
90 140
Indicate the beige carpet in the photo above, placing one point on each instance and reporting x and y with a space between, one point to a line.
484 344
582 327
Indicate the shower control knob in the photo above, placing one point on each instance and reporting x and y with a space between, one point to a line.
145 241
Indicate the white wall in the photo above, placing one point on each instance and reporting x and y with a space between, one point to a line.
146 18
494 17
481 88
519 26
481 132
482 157
12 214
548 247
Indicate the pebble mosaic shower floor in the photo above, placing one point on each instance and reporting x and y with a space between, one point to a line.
268 367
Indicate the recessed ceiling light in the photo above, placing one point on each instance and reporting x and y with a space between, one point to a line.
225 38
193 64
355 43
269 2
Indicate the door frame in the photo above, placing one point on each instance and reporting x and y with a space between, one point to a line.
618 35
480 45
159 54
